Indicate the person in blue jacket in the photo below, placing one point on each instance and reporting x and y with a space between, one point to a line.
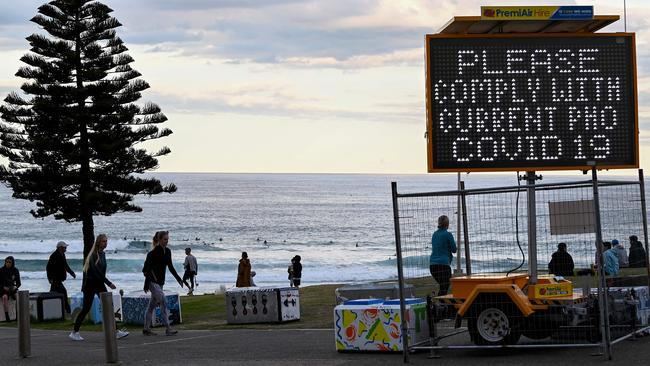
610 260
442 248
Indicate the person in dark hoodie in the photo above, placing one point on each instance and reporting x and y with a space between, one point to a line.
244 271
159 259
637 257
297 271
561 263
9 283
57 272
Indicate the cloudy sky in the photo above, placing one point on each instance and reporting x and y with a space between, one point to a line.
292 85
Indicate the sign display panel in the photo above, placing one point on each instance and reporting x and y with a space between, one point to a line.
531 102
571 12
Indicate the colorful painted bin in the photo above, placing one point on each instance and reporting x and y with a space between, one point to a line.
375 325
135 304
95 314
262 304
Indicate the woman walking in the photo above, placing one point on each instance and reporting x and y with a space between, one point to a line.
158 260
94 283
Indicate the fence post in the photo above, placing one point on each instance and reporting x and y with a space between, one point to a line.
400 274
24 332
459 270
108 322
532 227
603 294
644 214
468 257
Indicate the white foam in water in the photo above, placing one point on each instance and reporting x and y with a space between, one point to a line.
74 246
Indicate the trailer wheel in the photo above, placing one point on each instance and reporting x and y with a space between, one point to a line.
494 325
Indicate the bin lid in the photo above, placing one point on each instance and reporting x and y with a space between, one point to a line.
407 301
363 302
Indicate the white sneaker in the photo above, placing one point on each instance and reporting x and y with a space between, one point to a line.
121 333
75 336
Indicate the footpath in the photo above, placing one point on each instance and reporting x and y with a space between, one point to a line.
278 347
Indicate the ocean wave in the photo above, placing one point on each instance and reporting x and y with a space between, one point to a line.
76 246
41 246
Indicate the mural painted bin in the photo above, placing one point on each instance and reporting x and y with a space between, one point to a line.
95 314
135 305
262 305
375 325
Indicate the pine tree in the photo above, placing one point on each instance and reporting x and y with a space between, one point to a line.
72 135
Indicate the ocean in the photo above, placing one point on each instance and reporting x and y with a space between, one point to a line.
340 224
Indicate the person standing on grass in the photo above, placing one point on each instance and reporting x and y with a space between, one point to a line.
244 271
561 263
94 283
621 254
57 272
610 260
191 269
442 248
9 283
296 271
159 259
637 253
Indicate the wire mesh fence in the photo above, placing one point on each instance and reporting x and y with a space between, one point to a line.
500 303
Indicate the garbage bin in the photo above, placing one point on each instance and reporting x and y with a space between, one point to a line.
375 325
262 304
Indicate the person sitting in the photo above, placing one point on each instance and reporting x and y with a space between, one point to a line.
637 258
619 249
9 283
561 263
610 260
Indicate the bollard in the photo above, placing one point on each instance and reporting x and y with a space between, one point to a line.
24 333
108 322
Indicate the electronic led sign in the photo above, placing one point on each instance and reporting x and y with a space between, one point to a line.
531 102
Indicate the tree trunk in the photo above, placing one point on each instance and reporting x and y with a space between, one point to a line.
88 229
88 226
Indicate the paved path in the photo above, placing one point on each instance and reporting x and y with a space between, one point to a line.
278 347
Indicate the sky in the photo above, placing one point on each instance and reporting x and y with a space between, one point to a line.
325 86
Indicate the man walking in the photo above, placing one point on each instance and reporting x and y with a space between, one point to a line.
191 269
57 270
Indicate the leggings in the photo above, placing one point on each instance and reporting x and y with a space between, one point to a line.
90 290
157 299
441 273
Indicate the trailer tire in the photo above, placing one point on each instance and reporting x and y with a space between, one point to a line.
491 324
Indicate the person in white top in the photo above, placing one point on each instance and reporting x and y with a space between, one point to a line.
191 269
